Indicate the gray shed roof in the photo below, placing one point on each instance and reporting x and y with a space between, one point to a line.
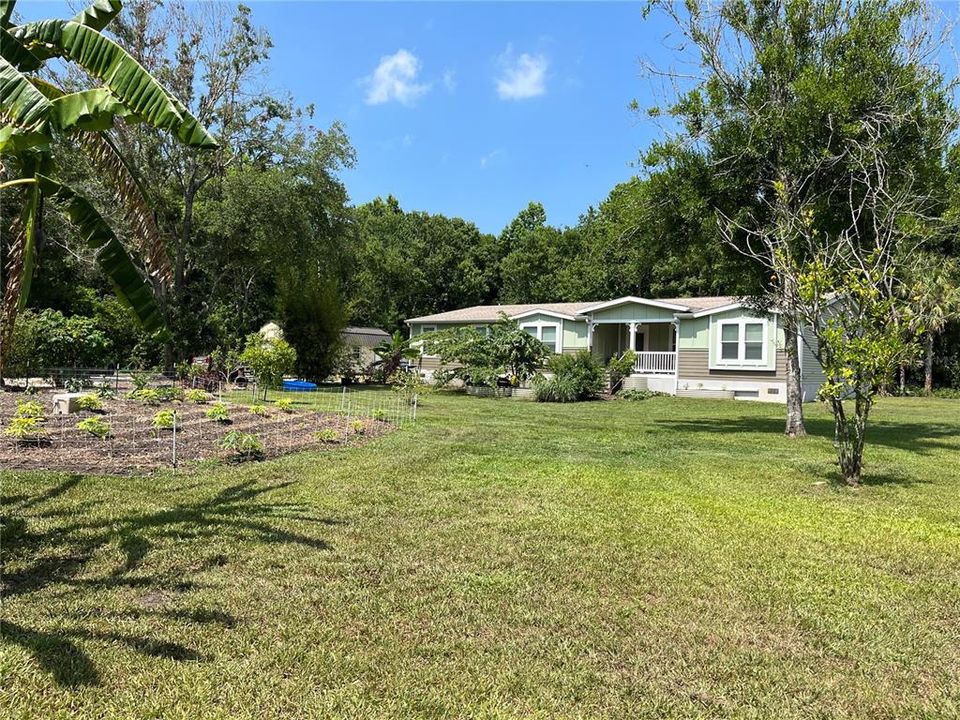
364 336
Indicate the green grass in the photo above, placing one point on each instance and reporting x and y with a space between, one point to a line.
664 558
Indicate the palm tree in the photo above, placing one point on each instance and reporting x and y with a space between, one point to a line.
35 115
936 298
393 352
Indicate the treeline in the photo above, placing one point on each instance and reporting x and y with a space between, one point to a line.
263 228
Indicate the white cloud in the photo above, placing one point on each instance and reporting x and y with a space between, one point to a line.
396 79
522 77
450 80
489 157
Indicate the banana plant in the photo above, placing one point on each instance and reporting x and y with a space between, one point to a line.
34 114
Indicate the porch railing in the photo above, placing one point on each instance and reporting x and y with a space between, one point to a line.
655 363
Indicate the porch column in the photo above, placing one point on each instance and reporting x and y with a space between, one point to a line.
633 335
591 326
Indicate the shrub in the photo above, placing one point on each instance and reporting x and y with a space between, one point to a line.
284 404
380 415
197 396
105 391
26 428
246 446
145 396
169 393
621 367
637 395
29 409
166 420
358 427
269 360
95 426
219 412
140 379
73 384
575 377
327 435
408 384
259 410
90 403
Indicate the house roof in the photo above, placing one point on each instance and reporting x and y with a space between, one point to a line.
364 336
491 313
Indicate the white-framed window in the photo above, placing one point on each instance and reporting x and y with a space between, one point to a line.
482 329
424 329
547 333
742 342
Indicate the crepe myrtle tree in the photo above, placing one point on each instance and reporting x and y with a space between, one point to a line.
37 117
484 357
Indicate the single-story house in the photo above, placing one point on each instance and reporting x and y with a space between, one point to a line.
361 341
696 346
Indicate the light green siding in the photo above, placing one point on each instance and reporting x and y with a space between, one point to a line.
632 312
539 318
574 335
694 334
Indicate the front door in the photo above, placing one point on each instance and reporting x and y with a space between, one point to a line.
639 341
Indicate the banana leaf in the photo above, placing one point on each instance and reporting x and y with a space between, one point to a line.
88 110
21 104
129 284
99 14
6 10
129 82
16 54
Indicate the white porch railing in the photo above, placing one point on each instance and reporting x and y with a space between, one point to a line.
655 363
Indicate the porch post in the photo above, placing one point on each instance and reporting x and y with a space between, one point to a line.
591 326
633 335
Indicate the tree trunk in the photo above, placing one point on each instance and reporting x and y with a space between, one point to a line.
179 270
848 438
795 426
928 364
903 380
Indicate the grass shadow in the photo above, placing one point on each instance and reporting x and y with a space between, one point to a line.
66 554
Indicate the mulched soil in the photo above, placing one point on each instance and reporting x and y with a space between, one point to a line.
135 447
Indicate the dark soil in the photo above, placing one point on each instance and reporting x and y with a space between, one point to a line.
135 446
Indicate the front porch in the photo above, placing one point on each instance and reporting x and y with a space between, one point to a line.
653 342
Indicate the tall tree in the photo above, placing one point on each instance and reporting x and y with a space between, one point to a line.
37 114
789 92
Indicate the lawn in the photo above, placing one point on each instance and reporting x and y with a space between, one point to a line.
664 558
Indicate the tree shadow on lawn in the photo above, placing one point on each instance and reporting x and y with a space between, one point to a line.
63 555
916 437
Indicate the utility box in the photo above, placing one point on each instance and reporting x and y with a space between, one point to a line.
66 403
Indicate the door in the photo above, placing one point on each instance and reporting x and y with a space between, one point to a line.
640 341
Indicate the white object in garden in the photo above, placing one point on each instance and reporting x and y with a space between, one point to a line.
66 403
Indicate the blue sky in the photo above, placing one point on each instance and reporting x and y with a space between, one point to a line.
478 108
473 109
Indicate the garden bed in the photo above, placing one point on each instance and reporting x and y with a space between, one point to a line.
136 446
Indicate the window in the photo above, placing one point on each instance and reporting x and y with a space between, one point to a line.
742 342
547 333
424 329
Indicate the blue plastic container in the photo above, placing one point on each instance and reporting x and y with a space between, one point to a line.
298 385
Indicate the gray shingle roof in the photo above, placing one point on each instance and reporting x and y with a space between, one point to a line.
491 313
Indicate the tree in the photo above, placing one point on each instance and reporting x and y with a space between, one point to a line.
269 359
790 92
38 115
933 286
484 357
312 317
394 351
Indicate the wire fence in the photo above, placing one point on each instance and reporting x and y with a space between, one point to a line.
138 437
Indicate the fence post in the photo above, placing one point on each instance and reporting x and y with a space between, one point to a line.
174 439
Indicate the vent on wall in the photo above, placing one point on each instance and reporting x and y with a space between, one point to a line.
746 394
773 391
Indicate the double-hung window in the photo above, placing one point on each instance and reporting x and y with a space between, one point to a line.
742 342
545 333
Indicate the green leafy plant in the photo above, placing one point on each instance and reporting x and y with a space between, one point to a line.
269 359
95 426
26 429
105 391
259 410
637 395
380 415
89 403
327 435
141 378
73 384
29 409
218 412
145 396
169 393
358 427
166 420
408 384
575 377
197 396
246 446
620 367
284 404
